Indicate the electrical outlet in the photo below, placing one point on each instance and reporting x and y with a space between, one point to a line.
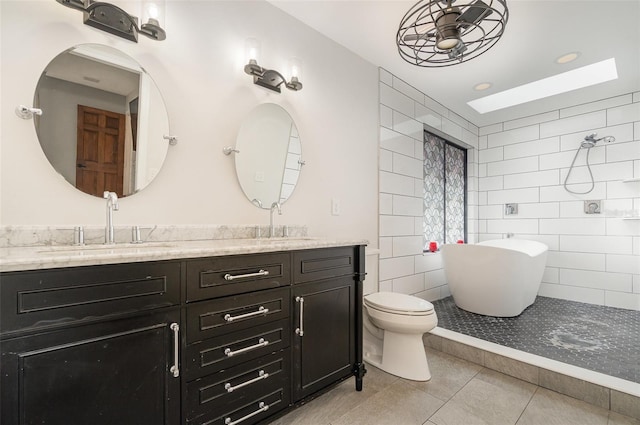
335 206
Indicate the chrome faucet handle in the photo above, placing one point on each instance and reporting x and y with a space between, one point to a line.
136 234
278 206
78 236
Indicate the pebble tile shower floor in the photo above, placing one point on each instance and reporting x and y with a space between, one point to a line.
598 338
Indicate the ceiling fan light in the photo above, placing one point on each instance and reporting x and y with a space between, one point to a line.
447 43
433 33
448 35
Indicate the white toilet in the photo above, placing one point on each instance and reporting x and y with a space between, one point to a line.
394 324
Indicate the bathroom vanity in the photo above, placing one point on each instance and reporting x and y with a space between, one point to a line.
209 332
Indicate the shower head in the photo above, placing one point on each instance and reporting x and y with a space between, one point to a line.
590 140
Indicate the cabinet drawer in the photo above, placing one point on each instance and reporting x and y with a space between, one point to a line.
223 276
231 388
51 298
228 350
212 318
317 264
252 412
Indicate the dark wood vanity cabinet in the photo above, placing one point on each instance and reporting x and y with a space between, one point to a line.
325 316
237 358
91 346
255 334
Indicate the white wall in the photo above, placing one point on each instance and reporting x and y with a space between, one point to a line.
199 69
592 258
404 113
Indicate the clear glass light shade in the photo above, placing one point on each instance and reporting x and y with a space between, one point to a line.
295 68
252 50
153 13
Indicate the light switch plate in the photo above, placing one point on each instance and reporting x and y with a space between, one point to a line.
335 206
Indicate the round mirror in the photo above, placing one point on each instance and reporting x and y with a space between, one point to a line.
269 159
103 120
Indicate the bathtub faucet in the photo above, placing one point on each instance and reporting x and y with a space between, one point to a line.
510 209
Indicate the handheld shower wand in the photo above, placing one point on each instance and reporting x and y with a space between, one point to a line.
589 141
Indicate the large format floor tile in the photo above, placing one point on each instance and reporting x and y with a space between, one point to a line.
550 408
399 403
448 375
459 393
490 398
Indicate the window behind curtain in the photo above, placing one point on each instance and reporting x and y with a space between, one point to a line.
445 177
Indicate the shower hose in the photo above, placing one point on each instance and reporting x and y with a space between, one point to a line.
566 179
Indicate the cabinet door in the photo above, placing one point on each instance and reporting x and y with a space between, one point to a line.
324 339
117 372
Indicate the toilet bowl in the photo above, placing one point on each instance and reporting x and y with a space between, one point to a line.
394 324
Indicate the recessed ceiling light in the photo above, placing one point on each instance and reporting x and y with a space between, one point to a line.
578 78
569 57
482 86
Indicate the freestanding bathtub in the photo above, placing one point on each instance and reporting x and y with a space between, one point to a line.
495 278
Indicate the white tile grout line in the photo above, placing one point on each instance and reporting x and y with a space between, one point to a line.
628 387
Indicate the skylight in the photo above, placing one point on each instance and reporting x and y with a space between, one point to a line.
589 75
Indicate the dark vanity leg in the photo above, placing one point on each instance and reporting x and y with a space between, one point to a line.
359 369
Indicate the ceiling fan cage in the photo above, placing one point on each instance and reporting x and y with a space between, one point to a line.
438 33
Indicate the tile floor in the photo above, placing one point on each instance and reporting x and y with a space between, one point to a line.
594 337
459 393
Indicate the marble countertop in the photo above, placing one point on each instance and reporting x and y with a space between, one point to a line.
45 257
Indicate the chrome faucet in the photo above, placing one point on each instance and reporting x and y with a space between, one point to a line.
275 205
112 205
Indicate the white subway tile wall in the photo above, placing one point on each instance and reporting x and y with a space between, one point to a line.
404 113
593 258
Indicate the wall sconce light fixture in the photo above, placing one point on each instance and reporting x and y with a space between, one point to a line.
112 19
270 78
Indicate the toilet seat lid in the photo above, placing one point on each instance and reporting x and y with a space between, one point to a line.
400 303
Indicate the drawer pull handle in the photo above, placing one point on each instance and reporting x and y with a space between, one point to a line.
261 375
229 318
240 276
261 343
300 330
261 408
175 371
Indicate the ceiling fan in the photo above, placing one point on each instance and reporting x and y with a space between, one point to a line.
437 33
